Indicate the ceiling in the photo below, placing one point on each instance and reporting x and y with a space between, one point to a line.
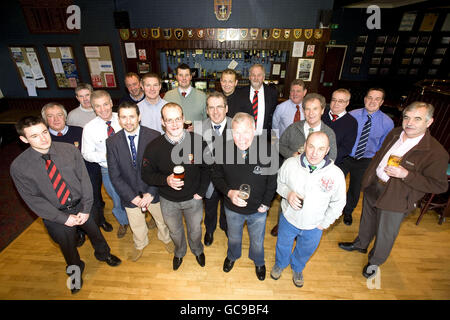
392 4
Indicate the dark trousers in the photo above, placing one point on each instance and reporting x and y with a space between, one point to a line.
211 205
65 237
382 224
95 176
356 168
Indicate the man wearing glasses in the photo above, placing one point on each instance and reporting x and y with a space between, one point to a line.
178 197
373 127
343 124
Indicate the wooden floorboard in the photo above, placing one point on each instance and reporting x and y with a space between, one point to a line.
32 267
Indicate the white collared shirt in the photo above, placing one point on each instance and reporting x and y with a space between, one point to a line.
222 125
261 108
187 91
93 147
136 138
306 128
400 148
340 115
55 133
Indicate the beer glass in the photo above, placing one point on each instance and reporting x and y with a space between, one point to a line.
244 191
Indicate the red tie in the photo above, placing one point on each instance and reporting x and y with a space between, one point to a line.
58 183
110 130
60 134
183 94
297 114
255 105
335 116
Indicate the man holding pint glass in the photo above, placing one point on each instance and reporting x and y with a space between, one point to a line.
173 162
391 190
247 178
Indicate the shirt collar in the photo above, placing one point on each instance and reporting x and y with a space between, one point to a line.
136 133
175 142
55 133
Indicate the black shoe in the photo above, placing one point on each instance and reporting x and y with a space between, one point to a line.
274 231
370 270
209 238
348 220
261 272
107 227
113 261
177 263
201 259
349 246
227 265
81 238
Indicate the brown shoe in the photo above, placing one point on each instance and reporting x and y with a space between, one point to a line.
122 231
136 254
274 231
151 224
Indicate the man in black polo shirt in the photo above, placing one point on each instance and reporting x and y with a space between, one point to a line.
178 197
53 181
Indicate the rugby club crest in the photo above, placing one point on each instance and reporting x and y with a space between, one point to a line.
222 9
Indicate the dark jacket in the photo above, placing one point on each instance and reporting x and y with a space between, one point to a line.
427 165
126 178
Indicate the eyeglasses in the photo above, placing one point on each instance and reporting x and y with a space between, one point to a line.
340 101
172 121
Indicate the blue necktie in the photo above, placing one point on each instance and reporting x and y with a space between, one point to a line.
364 138
133 149
217 129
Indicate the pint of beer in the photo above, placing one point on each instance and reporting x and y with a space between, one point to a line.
178 172
394 160
187 124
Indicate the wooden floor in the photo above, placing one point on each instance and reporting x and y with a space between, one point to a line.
32 267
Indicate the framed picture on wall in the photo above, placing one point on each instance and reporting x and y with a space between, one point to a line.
445 40
402 71
384 71
406 61
417 61
389 50
432 71
440 51
64 66
409 51
305 69
413 71
375 61
143 67
387 61
436 61
424 40
28 67
100 63
412 40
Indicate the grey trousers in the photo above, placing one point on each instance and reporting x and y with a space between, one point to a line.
382 224
173 213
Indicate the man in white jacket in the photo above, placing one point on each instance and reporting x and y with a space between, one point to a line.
314 193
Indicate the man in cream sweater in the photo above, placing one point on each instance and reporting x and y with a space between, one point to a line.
314 192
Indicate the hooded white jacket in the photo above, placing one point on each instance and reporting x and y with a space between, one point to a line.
324 192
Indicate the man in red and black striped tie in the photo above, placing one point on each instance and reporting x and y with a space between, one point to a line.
52 179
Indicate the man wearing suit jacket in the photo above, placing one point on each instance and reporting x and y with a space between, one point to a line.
214 132
124 156
259 99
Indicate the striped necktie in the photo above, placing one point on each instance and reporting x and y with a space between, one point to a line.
58 183
297 114
361 148
110 129
133 149
255 105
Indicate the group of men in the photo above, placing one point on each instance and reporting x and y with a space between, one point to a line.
150 160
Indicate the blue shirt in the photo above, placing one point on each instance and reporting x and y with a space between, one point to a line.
151 114
381 126
284 114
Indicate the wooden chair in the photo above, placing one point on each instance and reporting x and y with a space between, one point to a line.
433 201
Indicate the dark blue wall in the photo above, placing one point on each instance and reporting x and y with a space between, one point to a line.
97 27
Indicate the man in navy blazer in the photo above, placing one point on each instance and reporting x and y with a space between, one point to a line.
267 99
125 151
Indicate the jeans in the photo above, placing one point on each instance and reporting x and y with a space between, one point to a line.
173 213
307 243
118 210
256 224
